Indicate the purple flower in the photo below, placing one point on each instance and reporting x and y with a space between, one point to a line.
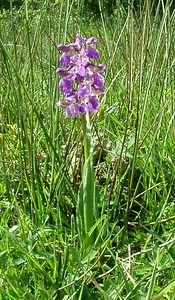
69 112
83 91
97 68
80 109
79 42
81 71
65 59
62 72
93 104
82 80
66 48
98 80
66 85
92 53
91 41
74 59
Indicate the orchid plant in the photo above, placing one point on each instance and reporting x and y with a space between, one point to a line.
81 84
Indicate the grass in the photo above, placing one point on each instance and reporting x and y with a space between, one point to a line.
41 155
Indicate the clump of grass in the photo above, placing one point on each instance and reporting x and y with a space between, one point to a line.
40 254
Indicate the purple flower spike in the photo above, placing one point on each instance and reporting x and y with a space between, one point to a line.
82 81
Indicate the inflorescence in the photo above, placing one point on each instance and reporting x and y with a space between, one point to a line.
82 80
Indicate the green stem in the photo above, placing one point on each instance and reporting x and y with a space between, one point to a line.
88 145
88 178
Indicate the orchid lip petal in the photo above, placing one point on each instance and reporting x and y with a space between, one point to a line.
79 77
70 112
83 91
92 53
66 85
93 104
65 59
80 109
98 81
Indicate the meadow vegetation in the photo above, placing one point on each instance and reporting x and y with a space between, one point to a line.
41 156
